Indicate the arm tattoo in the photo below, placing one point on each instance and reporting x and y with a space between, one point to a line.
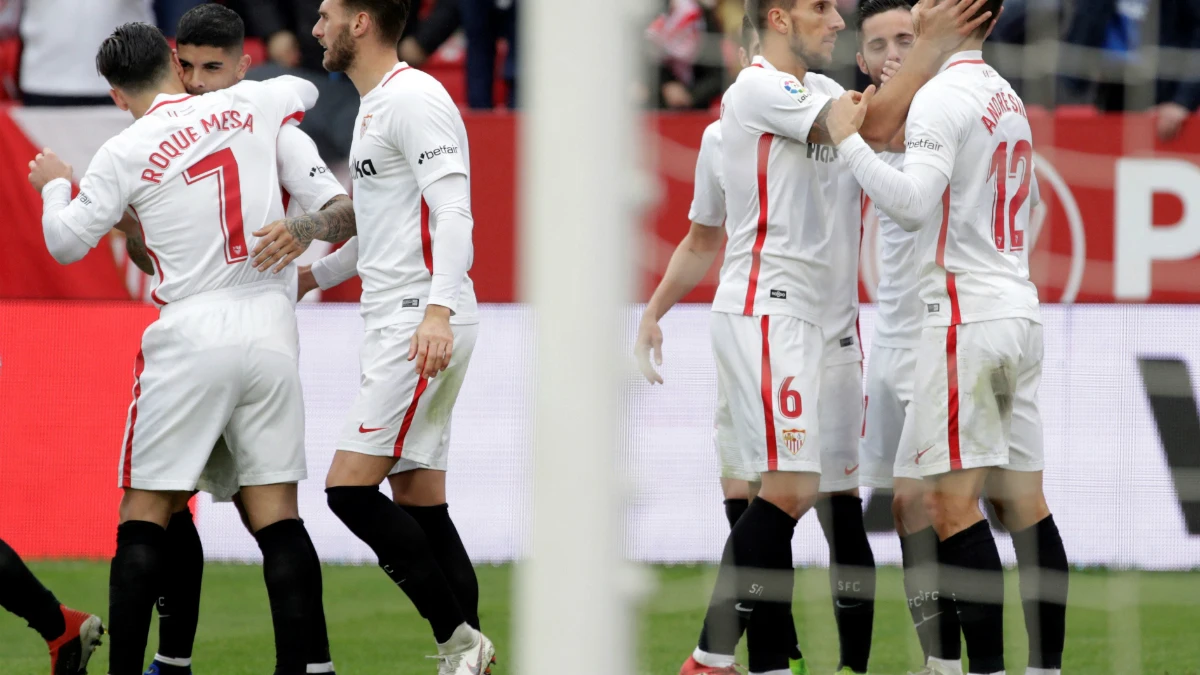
333 223
136 247
819 132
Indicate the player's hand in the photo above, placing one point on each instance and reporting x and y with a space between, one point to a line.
947 24
433 343
306 281
847 114
1170 119
649 339
277 246
46 167
890 68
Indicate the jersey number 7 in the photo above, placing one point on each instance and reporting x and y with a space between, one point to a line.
1003 168
223 165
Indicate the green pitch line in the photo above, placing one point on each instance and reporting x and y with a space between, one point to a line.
1119 623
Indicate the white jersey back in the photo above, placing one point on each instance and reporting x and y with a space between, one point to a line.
781 193
968 123
199 174
409 134
708 194
900 312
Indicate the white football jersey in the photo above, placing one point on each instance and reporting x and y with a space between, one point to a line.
409 134
781 196
708 196
307 186
199 174
842 343
900 312
968 123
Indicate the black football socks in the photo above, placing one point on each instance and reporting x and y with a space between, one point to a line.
934 614
1042 563
293 577
134 582
404 553
851 577
22 594
972 574
179 600
762 547
451 556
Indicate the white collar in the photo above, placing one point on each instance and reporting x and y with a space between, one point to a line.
970 56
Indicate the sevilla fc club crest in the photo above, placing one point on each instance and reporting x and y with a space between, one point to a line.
362 131
793 439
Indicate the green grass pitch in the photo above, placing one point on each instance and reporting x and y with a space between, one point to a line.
1118 623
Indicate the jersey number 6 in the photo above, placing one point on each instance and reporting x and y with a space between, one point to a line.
223 165
789 400
1003 168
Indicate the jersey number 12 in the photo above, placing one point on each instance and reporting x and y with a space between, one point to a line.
223 165
1004 220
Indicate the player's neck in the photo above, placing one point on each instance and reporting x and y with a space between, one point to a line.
780 55
371 64
138 105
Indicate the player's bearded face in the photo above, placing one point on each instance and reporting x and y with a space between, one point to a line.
886 37
814 28
339 53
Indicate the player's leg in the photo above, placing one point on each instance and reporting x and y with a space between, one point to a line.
179 599
399 416
839 510
70 635
1020 501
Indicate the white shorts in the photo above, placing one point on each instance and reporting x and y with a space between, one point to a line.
399 414
889 448
769 372
841 425
976 396
221 363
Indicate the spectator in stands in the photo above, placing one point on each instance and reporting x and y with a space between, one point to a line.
1178 97
424 34
687 39
485 23
58 61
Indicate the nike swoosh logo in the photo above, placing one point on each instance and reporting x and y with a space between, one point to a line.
851 470
479 662
922 453
926 618
739 608
843 605
364 430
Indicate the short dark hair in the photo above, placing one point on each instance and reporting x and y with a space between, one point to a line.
992 6
748 32
211 25
757 10
389 15
869 8
134 58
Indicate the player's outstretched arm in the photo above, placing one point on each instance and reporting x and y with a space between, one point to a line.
283 241
942 28
691 260
331 270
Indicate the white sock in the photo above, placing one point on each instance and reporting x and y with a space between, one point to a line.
168 661
946 665
1043 671
464 638
319 668
712 660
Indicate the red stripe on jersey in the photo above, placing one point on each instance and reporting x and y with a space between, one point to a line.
398 449
162 277
127 461
952 395
298 116
287 198
951 284
757 65
160 104
389 79
964 61
764 154
768 396
426 237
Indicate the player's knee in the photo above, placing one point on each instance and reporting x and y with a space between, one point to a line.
909 510
951 514
1020 514
348 501
733 488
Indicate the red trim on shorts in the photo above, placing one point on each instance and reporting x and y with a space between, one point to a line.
764 153
952 396
139 365
162 277
398 449
768 396
160 104
426 237
959 63
298 116
389 79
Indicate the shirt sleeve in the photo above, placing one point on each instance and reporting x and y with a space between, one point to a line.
708 200
98 206
287 95
778 105
302 171
933 130
908 196
424 127
449 202
338 266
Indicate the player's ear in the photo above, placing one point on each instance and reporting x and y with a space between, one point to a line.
743 57
778 20
118 99
243 65
862 63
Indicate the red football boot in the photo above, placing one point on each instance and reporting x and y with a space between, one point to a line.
69 653
694 667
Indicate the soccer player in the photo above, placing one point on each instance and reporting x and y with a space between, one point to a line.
886 35
412 205
967 187
209 43
71 635
196 172
784 192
